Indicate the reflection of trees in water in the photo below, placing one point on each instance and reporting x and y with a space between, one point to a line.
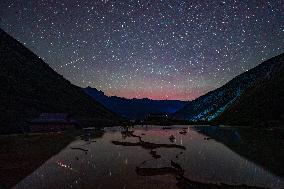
264 147
148 145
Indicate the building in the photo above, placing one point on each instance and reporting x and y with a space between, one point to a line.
53 122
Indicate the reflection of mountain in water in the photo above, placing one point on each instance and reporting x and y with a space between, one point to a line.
264 147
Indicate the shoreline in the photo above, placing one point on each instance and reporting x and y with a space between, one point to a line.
21 154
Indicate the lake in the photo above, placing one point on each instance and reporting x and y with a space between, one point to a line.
165 157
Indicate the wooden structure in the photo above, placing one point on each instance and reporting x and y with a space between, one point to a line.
53 122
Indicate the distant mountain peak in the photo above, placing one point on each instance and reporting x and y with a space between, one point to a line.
211 105
135 108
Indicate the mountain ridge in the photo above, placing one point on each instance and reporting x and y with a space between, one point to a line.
135 108
212 104
260 105
29 86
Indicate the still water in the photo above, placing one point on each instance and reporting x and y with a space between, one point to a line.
155 157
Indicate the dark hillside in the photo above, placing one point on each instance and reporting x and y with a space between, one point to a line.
261 105
28 87
264 78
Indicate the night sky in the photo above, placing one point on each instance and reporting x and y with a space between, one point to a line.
160 49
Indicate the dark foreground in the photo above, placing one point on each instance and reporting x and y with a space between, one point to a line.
20 155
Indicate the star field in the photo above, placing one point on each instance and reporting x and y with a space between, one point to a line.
160 49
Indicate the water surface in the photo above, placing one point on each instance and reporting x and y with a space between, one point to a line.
154 157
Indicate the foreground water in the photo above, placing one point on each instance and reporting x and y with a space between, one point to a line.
156 157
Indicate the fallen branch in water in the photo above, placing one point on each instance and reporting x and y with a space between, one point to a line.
154 154
130 134
148 145
77 148
185 183
183 132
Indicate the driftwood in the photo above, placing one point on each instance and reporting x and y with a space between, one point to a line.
172 138
176 165
130 134
78 148
183 132
154 154
148 145
185 183
167 128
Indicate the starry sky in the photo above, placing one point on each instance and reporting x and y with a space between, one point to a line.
159 49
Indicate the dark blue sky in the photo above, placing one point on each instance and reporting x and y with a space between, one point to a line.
156 49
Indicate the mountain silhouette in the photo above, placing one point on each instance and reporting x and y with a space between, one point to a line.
135 108
239 91
28 87
260 105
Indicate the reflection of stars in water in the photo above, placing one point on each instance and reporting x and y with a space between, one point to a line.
61 164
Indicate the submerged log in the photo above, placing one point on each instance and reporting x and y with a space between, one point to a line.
148 145
78 148
154 154
183 132
185 183
176 165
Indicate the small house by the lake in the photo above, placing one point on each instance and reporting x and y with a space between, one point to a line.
53 122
